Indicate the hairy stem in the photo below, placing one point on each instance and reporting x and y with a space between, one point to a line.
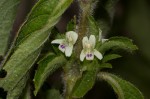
82 26
71 75
72 70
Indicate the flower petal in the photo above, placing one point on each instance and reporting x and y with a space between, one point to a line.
84 41
98 54
92 40
82 55
58 41
68 51
73 35
62 47
89 56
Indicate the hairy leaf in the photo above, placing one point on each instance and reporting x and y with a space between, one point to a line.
32 36
16 92
105 65
118 43
110 57
124 89
26 94
17 70
84 84
53 94
72 25
44 16
8 9
93 27
46 67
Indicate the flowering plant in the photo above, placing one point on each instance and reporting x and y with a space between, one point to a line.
38 50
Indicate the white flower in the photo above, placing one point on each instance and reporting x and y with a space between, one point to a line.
89 49
66 45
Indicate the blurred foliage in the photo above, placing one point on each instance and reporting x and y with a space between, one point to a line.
132 19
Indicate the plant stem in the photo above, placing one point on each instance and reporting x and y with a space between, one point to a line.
72 70
82 26
71 75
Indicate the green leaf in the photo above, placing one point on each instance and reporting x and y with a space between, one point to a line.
8 9
26 94
32 36
72 25
84 84
110 57
53 94
93 27
118 43
46 67
124 89
17 91
105 65
107 58
44 15
16 70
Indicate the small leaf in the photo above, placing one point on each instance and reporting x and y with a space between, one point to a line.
53 94
72 25
110 57
84 84
118 43
105 65
124 89
46 67
8 11
93 27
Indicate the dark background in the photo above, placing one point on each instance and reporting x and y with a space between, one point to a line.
130 18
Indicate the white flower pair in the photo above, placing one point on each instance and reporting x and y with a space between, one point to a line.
66 46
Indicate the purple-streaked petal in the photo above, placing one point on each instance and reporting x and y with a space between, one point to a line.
98 54
62 47
89 56
82 55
